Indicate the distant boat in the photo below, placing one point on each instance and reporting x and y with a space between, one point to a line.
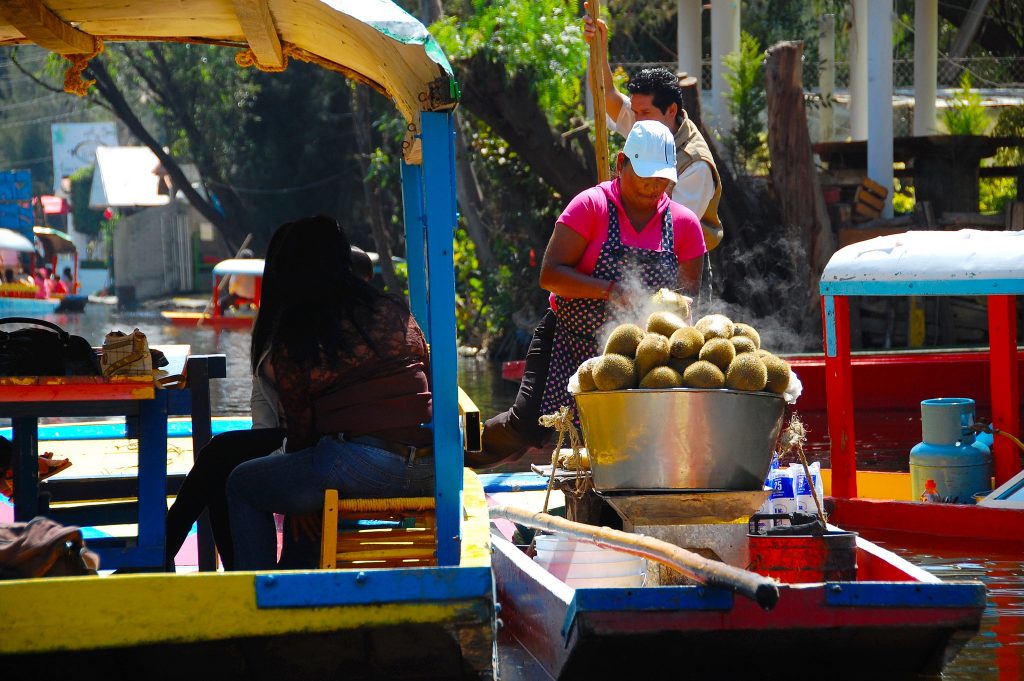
19 298
236 316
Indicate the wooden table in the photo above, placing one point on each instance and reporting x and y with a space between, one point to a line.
946 168
146 407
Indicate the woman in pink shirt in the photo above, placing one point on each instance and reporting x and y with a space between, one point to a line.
628 227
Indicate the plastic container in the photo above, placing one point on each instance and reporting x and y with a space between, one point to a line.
632 581
579 563
949 453
622 568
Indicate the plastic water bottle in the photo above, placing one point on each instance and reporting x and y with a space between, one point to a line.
930 494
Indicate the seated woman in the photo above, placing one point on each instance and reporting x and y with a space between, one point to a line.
205 485
350 372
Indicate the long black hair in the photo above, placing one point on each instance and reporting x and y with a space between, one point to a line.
310 294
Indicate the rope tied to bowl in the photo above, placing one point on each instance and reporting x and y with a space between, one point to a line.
562 422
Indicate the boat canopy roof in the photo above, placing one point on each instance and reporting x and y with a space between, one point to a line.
374 42
54 241
964 262
13 241
249 266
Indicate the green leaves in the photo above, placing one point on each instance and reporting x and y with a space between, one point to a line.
747 101
541 37
965 114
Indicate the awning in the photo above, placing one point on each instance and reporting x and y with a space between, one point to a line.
372 41
52 205
54 241
249 266
13 241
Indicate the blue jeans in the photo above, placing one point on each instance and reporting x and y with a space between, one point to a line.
294 483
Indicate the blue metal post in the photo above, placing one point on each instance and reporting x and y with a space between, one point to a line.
26 468
152 479
439 209
415 245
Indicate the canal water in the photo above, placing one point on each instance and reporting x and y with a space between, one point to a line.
997 652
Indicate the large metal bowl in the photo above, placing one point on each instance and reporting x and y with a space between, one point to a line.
680 438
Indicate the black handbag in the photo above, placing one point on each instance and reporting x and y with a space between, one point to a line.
49 351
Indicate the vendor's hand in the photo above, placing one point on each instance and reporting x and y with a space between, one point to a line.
307 523
592 28
618 297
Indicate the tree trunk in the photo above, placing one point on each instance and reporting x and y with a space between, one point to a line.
371 197
793 174
232 233
489 95
471 200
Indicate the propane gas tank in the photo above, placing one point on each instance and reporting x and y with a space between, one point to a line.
949 453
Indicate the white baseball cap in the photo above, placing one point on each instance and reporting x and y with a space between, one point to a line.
651 150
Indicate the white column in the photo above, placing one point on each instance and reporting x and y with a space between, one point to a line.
827 75
926 32
880 96
858 62
725 38
688 36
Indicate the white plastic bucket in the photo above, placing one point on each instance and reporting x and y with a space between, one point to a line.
586 565
633 581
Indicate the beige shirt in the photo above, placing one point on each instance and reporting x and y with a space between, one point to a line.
696 184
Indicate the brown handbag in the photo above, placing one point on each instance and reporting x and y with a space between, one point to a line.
44 548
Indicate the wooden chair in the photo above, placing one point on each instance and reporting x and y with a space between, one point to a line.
398 532
361 533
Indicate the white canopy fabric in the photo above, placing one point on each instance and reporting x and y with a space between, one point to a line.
248 266
964 259
13 241
126 177
373 41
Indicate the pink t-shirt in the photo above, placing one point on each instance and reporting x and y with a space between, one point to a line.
587 215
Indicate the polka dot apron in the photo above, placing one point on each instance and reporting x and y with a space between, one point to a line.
578 320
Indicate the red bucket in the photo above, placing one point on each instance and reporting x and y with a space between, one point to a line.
802 559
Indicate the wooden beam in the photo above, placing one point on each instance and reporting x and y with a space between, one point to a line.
260 32
38 23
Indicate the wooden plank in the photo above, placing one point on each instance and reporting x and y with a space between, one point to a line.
864 196
54 389
40 25
866 211
260 32
874 187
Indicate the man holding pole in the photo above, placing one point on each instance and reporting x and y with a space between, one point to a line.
655 95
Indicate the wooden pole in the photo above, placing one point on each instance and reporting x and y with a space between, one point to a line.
598 62
750 584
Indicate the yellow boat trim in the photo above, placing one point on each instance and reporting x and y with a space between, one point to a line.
83 613
875 485
476 523
130 610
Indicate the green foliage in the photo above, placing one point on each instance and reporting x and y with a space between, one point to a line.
87 220
903 197
517 201
746 101
996 192
541 37
965 114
